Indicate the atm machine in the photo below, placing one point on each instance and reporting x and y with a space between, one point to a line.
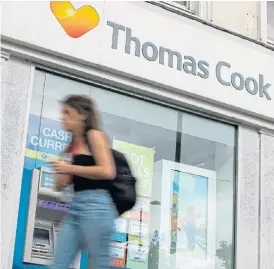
42 245
45 217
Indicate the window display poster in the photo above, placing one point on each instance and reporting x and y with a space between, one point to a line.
46 139
174 213
47 180
137 257
190 209
141 160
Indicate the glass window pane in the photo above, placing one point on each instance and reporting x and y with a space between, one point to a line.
185 170
210 145
270 20
56 89
133 109
193 205
37 93
138 122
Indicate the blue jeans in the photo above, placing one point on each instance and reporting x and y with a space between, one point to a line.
88 226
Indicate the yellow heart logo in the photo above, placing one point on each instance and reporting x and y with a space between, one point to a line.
75 22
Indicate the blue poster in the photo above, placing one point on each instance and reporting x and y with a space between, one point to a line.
119 237
191 214
47 180
46 139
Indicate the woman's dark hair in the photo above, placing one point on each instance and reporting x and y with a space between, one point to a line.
84 105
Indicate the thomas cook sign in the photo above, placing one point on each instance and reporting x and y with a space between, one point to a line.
256 86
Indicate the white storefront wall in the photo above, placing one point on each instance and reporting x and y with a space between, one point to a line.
216 58
141 48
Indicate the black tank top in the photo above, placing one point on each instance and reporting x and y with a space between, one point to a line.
82 183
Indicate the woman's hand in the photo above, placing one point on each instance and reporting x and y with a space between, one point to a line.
61 167
61 181
63 178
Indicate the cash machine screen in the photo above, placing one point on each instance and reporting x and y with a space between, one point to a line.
41 236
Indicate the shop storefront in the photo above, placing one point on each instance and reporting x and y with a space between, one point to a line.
179 168
193 114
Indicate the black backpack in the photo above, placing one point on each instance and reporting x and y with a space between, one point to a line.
123 188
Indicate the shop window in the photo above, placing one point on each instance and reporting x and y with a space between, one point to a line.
189 6
180 4
270 21
202 9
185 170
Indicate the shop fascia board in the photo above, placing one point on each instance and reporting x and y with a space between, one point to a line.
267 132
78 68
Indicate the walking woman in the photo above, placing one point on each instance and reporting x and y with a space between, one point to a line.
90 221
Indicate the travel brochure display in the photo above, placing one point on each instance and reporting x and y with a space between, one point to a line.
117 254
